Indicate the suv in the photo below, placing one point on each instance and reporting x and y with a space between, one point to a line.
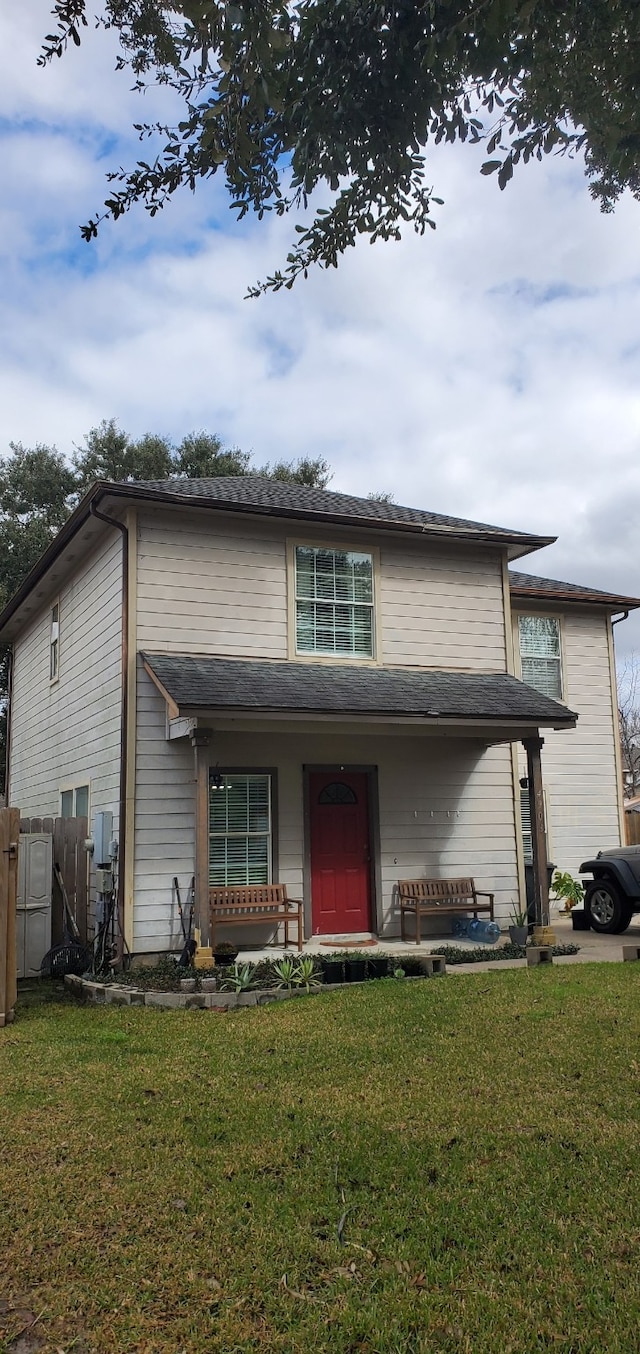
613 895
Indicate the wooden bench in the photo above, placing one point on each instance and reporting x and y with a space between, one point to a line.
248 904
431 897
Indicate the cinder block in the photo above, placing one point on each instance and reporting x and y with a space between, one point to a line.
195 1001
539 954
630 953
432 964
168 999
117 996
220 999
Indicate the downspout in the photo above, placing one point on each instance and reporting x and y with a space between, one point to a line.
7 732
124 719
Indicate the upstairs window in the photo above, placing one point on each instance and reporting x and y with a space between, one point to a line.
240 829
334 602
54 643
540 654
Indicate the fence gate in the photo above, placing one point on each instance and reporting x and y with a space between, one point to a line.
9 834
69 836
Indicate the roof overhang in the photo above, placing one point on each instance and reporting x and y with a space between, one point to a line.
495 706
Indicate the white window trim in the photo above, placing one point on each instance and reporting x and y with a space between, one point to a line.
543 615
74 785
359 548
56 676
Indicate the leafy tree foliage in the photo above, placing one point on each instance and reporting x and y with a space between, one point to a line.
347 96
39 488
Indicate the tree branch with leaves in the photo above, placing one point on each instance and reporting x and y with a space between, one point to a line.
345 98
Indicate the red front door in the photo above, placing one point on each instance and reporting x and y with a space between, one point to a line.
340 855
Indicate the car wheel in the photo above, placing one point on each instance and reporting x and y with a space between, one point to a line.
609 914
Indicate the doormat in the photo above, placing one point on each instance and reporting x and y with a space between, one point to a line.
348 944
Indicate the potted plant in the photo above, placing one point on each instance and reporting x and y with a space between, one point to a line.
356 967
566 887
332 969
519 926
225 953
377 966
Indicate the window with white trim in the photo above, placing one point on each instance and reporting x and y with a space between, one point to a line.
240 829
54 643
540 659
74 802
334 602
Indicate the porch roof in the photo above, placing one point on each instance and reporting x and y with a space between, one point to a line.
232 685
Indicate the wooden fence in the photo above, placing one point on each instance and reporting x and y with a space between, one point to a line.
9 834
632 822
69 836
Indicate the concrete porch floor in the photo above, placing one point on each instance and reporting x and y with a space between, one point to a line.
593 947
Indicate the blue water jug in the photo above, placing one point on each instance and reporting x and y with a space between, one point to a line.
483 932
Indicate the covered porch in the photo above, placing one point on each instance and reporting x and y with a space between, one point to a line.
337 781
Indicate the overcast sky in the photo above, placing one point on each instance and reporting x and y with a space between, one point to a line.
489 370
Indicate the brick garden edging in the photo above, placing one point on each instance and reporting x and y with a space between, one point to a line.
117 994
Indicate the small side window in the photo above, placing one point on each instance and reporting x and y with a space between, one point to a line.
74 802
54 643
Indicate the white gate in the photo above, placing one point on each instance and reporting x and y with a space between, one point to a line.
33 923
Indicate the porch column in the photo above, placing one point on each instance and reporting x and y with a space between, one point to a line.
200 739
542 930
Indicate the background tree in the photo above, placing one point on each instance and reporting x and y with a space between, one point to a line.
629 718
39 488
347 96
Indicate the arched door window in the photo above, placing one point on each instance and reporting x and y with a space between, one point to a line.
337 793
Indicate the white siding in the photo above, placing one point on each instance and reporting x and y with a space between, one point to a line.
579 765
70 730
211 586
218 585
446 808
165 822
442 607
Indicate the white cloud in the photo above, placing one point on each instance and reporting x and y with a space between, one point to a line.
489 370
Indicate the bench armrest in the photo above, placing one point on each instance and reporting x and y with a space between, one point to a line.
481 893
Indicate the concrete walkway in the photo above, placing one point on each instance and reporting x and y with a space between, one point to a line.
593 947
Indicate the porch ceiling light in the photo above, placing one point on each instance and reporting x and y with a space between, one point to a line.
217 781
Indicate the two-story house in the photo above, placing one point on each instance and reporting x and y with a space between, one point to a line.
270 683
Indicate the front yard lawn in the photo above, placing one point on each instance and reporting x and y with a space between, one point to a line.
401 1168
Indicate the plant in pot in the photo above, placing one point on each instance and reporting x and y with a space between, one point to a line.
225 953
356 967
378 966
569 889
519 926
332 968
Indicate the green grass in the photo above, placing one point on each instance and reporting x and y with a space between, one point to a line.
440 1166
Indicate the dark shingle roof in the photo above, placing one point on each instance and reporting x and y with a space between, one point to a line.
256 493
531 585
236 684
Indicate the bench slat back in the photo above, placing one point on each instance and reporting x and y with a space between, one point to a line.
440 890
245 899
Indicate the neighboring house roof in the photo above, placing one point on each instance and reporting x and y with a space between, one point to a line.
259 496
319 688
551 589
632 805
